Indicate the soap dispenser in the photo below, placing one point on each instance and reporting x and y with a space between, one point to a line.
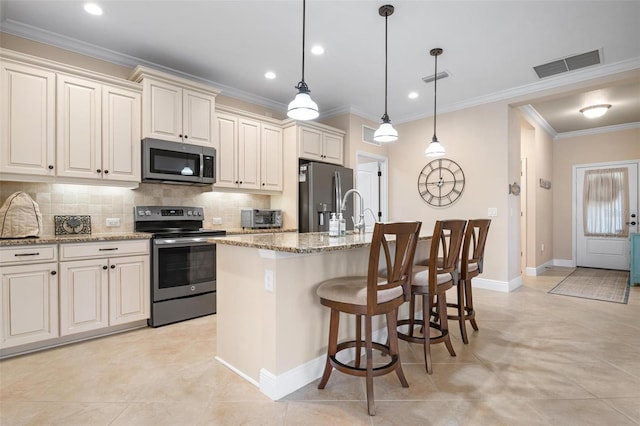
334 226
342 225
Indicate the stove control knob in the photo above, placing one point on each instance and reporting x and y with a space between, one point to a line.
148 213
189 213
199 213
140 212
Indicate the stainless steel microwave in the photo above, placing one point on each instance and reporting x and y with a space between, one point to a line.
173 162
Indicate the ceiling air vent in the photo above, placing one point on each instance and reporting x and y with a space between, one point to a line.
432 77
570 63
367 135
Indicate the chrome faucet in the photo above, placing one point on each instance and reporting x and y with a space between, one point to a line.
360 226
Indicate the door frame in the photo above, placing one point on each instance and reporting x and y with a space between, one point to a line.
365 157
574 200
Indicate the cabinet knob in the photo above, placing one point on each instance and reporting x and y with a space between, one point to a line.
50 167
98 171
186 136
262 183
104 267
236 182
240 182
180 135
53 272
106 172
113 266
631 223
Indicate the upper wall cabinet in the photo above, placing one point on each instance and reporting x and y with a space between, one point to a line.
249 152
27 119
176 109
320 143
63 123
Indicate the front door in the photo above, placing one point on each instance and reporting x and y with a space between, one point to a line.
604 217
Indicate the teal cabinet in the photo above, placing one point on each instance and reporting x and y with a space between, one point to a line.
634 273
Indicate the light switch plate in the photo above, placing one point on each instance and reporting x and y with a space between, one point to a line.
217 221
492 211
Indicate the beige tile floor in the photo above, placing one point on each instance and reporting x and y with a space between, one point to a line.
538 359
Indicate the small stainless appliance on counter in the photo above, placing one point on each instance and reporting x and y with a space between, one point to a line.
260 218
183 263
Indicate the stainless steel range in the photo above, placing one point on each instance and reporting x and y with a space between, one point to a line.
183 263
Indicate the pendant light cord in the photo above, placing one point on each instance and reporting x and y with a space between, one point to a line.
303 33
435 97
386 116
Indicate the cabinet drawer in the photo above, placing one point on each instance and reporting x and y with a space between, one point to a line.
28 254
103 249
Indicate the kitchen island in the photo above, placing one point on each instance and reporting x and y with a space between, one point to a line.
272 329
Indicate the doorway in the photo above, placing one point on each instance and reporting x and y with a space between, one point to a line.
602 223
372 181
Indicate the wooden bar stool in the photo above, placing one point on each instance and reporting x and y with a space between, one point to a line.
471 264
368 296
430 283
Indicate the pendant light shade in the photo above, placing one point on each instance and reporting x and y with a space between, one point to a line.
302 107
386 132
435 148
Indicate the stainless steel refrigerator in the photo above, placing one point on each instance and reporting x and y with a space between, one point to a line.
321 189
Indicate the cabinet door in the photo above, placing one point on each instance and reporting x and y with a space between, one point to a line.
226 154
120 134
162 111
198 117
248 154
28 303
271 158
310 141
84 295
27 122
129 289
333 148
79 128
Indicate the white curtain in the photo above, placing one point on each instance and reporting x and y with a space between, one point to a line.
606 202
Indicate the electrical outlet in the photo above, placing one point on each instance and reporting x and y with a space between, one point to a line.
268 280
542 247
217 221
492 212
113 221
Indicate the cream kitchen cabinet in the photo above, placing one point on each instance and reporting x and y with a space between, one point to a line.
27 122
320 144
29 295
176 109
249 153
65 124
98 130
103 284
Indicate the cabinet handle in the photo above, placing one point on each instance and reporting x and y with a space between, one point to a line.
98 171
26 254
106 172
104 267
53 272
108 249
50 167
113 266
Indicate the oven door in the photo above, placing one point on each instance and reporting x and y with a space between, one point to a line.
182 267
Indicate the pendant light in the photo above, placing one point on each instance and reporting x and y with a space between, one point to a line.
386 132
302 107
435 148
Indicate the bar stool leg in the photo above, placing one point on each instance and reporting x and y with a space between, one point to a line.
368 331
469 304
358 339
332 348
461 307
426 317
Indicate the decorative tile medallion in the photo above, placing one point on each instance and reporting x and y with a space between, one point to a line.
68 225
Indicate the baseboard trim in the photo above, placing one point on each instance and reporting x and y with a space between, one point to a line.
280 385
495 285
238 372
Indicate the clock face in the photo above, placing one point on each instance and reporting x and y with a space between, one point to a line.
441 182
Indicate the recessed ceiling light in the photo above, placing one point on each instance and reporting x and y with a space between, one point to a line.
413 95
317 50
93 9
595 111
270 75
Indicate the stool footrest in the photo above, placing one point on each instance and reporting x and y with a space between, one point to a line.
362 371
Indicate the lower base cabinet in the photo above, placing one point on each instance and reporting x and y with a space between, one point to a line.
102 292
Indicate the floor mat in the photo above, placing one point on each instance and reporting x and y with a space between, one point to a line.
597 284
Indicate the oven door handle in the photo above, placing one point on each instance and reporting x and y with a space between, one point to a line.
187 241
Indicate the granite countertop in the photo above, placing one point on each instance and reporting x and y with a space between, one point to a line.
293 242
235 231
77 238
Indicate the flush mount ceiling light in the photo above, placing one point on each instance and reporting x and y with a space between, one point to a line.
386 132
302 107
435 148
93 9
595 111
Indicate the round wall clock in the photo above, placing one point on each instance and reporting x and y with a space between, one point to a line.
441 182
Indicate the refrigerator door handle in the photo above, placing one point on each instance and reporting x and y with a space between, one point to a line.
338 191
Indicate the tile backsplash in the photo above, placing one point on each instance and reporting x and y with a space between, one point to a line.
101 202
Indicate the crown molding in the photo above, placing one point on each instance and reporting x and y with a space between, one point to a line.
598 130
531 113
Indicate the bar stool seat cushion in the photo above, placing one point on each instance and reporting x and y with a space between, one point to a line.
353 290
421 276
